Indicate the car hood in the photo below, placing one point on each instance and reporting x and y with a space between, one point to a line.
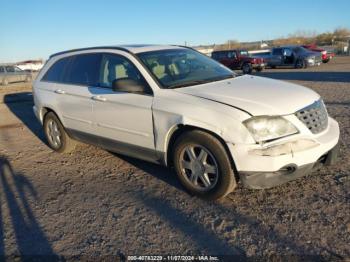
255 95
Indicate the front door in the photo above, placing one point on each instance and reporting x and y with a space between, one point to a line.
123 121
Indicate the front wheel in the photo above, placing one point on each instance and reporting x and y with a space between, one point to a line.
247 68
56 135
300 63
203 166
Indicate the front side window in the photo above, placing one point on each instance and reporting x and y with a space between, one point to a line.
84 70
2 69
232 55
287 52
177 68
115 67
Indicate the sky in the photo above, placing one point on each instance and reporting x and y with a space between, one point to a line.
35 29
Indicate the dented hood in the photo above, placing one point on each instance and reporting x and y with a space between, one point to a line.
255 95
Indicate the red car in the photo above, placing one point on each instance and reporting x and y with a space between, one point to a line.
239 59
326 56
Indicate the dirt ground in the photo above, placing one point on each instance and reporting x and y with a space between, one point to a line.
92 202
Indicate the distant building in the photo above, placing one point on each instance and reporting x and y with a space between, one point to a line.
30 65
207 50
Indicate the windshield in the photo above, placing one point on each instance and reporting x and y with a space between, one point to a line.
177 68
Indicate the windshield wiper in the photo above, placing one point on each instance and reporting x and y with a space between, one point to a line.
198 82
189 83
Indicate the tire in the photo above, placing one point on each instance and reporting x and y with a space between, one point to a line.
273 67
53 128
247 68
193 174
4 82
325 61
300 63
28 79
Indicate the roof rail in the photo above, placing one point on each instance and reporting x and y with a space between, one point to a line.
90 48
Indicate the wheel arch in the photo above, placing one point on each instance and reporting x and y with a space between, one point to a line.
181 129
46 109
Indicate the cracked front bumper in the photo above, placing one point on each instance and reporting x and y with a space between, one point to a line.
286 159
262 180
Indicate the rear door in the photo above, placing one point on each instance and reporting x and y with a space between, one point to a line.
276 57
2 74
69 80
10 74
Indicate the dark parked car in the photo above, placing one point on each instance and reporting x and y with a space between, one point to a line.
295 56
239 59
10 74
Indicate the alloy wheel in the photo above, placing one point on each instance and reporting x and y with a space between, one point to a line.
199 167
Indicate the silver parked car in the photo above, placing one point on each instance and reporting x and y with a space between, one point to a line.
295 56
11 73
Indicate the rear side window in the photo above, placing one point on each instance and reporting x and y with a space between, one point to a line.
277 51
84 70
55 72
220 55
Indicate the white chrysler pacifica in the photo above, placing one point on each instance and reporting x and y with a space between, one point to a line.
175 106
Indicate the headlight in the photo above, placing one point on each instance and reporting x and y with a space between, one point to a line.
265 128
311 59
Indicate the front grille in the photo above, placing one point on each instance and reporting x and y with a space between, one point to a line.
318 59
314 116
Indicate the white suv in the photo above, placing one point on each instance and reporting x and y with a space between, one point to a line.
175 106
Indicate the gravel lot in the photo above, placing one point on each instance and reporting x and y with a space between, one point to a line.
92 202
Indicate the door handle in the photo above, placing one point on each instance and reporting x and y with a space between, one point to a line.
59 91
99 98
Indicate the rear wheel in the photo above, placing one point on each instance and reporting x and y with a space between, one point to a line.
247 68
4 82
202 165
56 135
28 79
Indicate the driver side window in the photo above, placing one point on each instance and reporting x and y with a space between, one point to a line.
115 67
287 52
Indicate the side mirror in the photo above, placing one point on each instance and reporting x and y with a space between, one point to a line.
127 85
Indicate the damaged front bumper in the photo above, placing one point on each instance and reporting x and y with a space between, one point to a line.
262 180
265 166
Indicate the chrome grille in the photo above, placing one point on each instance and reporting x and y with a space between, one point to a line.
314 116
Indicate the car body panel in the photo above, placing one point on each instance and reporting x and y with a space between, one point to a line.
257 95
